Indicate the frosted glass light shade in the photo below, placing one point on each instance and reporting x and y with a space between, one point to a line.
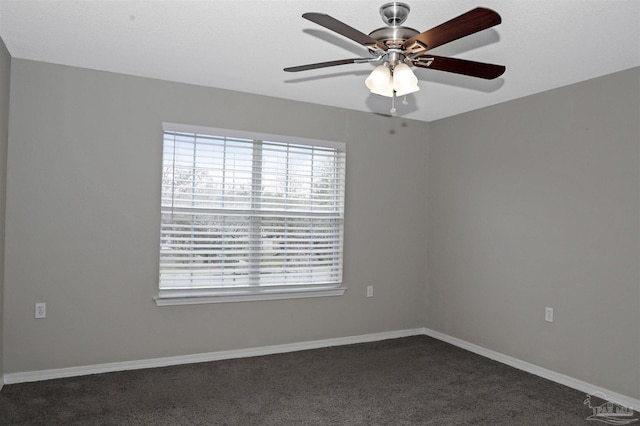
404 80
379 81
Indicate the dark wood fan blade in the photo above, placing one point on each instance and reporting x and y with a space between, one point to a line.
460 66
345 30
327 64
468 23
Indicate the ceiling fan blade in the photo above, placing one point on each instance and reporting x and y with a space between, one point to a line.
345 30
468 23
327 64
460 66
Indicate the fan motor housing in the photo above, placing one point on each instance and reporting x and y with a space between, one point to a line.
393 37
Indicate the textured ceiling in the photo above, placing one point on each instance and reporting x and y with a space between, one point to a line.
243 45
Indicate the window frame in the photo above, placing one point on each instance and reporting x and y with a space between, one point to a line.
253 293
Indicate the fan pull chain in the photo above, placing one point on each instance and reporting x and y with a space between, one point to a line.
404 100
393 104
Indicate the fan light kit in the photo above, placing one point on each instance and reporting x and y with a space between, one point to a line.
399 48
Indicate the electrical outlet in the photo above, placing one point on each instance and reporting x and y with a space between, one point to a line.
548 314
41 310
369 291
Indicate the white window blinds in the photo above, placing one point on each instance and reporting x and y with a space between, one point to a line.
249 214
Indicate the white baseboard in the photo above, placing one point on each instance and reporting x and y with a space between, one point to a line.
34 376
571 382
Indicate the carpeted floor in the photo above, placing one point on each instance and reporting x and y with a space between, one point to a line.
408 381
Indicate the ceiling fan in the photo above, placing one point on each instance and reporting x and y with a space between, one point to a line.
399 48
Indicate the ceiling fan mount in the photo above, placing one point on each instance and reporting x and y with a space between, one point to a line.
394 13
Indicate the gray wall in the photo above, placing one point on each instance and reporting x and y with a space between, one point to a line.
535 203
532 203
5 72
82 221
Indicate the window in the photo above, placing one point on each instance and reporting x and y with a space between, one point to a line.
249 216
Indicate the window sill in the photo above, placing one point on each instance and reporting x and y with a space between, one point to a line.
174 297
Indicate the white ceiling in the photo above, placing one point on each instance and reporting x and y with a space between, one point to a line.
243 45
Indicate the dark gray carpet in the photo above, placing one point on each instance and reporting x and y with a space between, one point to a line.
408 381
